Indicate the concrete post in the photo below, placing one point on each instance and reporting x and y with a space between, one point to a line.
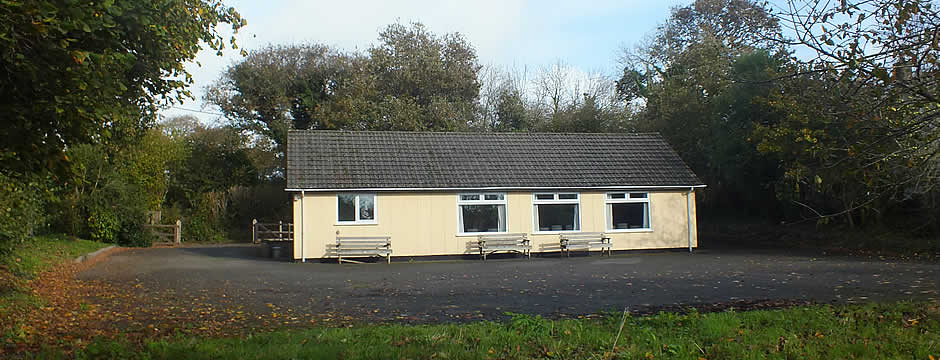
178 234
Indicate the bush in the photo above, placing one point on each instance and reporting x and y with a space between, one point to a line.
103 225
134 233
103 202
200 228
21 210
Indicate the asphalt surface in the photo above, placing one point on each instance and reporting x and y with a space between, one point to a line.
472 289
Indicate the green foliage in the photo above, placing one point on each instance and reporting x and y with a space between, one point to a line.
134 233
216 162
22 209
103 225
266 202
146 162
700 81
279 88
411 80
412 63
201 227
77 72
881 331
101 202
860 132
43 252
511 112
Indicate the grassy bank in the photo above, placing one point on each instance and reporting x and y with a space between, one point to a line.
28 260
883 331
44 252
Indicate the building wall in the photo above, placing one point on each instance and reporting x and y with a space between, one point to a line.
425 223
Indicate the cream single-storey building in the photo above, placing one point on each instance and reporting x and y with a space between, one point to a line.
434 193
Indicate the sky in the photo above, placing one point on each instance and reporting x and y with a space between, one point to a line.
588 35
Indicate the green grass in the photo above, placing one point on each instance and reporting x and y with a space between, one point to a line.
878 331
43 252
25 262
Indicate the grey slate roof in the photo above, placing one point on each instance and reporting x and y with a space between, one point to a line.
320 160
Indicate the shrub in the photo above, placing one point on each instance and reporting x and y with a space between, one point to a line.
134 233
21 210
199 227
103 225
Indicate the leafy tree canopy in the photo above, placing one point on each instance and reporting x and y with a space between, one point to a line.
411 79
80 72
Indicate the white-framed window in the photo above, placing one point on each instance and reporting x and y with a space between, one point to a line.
481 213
556 212
628 211
352 208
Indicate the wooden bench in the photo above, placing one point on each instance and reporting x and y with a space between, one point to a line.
518 243
360 246
584 241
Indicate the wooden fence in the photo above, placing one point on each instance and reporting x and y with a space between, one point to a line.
279 231
167 234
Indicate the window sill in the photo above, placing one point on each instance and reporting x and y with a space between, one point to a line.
614 231
350 223
556 232
481 233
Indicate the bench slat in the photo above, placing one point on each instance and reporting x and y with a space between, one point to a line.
362 246
373 253
488 242
584 241
517 242
509 247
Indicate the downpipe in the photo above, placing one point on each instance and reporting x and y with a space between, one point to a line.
688 207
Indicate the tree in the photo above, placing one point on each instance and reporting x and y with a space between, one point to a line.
511 112
737 25
146 163
216 160
503 100
567 100
279 88
436 73
697 80
864 114
411 80
102 200
77 72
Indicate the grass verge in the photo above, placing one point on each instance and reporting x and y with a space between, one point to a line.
25 262
43 252
874 331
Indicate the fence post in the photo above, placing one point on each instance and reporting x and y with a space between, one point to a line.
177 235
280 230
254 236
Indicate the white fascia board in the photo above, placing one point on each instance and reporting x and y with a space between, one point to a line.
501 188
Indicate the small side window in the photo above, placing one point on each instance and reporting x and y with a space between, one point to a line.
355 208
